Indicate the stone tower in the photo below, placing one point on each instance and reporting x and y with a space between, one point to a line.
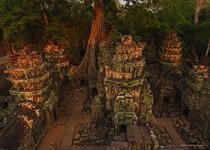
171 54
57 57
36 101
127 93
196 98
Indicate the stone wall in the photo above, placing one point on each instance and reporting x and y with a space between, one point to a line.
122 85
196 98
36 100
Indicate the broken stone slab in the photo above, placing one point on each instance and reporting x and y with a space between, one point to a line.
76 137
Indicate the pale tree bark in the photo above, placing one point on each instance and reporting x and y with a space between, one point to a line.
88 64
46 22
199 7
208 48
10 46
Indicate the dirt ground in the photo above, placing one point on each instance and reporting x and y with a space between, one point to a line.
61 135
53 137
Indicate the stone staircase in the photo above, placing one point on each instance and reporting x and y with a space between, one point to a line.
115 145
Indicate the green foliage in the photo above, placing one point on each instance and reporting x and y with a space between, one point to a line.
152 19
70 21
24 21
18 19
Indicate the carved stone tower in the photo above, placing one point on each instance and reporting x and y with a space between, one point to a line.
127 92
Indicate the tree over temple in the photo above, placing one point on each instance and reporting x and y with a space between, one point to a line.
104 74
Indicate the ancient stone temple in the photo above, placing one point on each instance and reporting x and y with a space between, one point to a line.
196 98
127 93
36 101
171 54
56 56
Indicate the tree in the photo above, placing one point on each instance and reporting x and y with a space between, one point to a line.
199 6
35 22
208 47
88 64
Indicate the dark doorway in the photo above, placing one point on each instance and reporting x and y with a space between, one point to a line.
166 100
122 128
5 105
55 114
185 111
166 105
95 91
82 82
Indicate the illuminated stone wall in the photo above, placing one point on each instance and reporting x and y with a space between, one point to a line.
57 58
36 100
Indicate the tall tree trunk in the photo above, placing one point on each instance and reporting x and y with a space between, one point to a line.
45 19
199 6
208 48
88 64
10 47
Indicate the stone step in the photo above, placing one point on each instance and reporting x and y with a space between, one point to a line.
118 145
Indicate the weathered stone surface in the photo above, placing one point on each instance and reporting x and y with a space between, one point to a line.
195 97
56 56
35 101
190 135
171 53
128 93
95 134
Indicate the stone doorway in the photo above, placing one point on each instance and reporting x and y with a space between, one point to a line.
165 105
122 129
55 114
83 82
166 100
185 111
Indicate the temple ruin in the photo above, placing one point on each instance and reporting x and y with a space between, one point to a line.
171 54
196 98
126 109
56 56
36 100
128 95
123 95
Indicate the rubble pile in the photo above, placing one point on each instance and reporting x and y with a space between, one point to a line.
162 136
95 134
191 136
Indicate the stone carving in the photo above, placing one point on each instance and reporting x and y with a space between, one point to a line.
127 93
